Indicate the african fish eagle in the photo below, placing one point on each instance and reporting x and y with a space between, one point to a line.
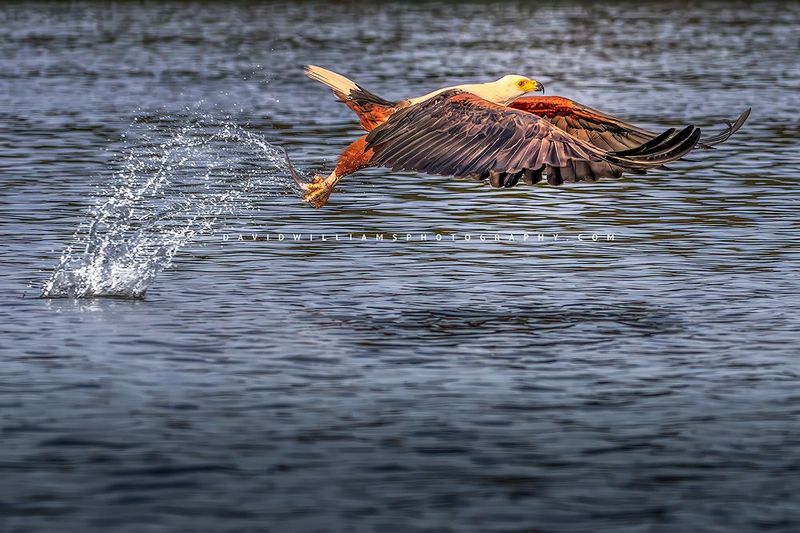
489 131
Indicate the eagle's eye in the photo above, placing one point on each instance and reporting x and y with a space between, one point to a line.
521 83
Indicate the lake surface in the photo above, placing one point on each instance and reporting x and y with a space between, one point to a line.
644 383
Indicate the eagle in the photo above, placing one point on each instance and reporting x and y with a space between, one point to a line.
491 131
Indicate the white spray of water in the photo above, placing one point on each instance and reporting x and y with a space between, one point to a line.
173 185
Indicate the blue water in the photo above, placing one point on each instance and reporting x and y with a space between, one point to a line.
644 383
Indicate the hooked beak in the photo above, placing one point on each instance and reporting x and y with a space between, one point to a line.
538 87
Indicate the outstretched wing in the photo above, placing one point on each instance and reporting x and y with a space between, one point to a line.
460 134
603 130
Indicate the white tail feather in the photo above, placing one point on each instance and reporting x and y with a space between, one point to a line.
337 82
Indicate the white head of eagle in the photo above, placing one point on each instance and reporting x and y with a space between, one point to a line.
502 91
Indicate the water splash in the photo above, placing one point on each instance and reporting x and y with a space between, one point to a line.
174 183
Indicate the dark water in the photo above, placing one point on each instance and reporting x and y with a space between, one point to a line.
649 383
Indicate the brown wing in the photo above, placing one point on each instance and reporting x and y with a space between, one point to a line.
459 134
602 130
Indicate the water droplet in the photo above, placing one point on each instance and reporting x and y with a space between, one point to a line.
156 204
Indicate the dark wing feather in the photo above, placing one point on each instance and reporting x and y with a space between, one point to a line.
459 134
602 130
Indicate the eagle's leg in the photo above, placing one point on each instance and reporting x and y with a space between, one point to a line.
317 192
319 189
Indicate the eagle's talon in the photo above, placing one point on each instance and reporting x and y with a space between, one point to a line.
317 191
295 176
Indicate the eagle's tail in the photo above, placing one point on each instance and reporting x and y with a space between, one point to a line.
341 86
372 110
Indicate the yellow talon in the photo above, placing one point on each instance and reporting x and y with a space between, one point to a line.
318 191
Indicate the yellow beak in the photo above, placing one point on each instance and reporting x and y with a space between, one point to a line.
533 85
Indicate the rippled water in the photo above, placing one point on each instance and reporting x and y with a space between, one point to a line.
649 382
